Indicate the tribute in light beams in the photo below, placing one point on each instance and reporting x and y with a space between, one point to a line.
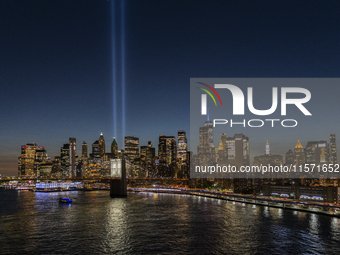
123 67
118 50
114 73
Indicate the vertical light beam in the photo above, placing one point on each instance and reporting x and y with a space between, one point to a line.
123 66
114 73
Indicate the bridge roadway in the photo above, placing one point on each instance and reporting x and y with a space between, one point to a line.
92 179
259 200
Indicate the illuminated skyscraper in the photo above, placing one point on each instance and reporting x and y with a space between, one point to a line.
26 162
206 149
333 157
147 157
101 145
222 150
162 148
95 150
182 146
84 161
238 150
317 152
299 154
171 149
131 147
65 159
72 153
238 155
42 163
56 167
167 150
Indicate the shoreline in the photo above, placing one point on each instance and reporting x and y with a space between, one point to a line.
246 200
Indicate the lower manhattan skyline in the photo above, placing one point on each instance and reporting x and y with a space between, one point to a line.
58 81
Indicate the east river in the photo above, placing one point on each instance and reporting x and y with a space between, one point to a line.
150 223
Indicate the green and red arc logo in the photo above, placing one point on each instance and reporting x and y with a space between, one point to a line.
209 93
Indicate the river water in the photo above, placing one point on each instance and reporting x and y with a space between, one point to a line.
150 223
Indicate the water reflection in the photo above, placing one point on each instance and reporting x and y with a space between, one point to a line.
147 223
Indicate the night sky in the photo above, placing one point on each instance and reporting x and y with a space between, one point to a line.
57 59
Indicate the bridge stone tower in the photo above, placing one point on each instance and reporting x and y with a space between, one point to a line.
118 186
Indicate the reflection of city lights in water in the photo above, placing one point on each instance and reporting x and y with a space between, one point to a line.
335 228
313 224
266 212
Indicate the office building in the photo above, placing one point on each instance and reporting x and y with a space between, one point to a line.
28 162
290 157
95 150
101 145
333 157
238 150
84 150
268 158
206 150
114 147
167 150
222 153
317 152
131 147
65 160
299 154
72 155
182 146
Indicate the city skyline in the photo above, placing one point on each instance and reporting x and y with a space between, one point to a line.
133 150
57 75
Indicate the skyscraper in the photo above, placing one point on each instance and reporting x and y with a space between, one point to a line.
222 150
84 150
131 147
147 157
101 145
167 150
114 147
26 162
42 164
333 157
268 158
206 149
182 146
95 150
289 157
162 148
299 154
317 152
84 160
72 153
65 159
171 149
238 150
